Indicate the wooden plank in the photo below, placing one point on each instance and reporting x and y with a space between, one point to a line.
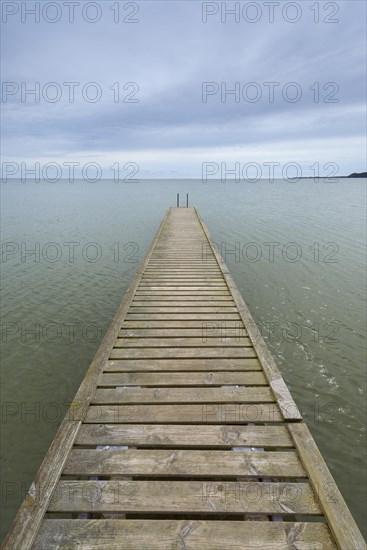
198 271
206 281
211 413
340 520
182 294
203 260
127 395
186 304
196 254
184 266
186 435
184 497
189 365
186 464
221 287
185 263
166 262
193 250
185 270
211 327
183 274
205 257
167 253
217 317
182 342
183 353
182 534
158 296
156 379
182 280
205 334
183 309
181 285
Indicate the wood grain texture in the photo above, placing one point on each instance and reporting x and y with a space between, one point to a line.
128 395
210 328
206 413
185 464
215 334
184 435
183 379
182 364
182 353
182 534
169 497
182 342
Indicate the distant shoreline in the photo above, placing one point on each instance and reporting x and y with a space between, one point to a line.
355 175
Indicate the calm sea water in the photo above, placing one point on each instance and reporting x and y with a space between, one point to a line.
299 260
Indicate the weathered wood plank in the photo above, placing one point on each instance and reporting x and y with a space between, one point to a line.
186 304
185 534
181 353
181 285
183 379
180 274
128 395
182 342
165 257
184 269
215 328
184 264
189 365
211 413
186 435
205 334
186 464
217 317
194 308
197 254
184 294
184 497
159 297
192 273
192 288
210 287
190 281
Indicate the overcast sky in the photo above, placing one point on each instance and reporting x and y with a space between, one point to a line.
169 131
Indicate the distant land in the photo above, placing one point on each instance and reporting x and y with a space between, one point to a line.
354 175
357 175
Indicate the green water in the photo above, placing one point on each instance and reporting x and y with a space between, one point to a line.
308 299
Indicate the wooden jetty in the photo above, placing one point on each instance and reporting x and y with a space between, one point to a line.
183 434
